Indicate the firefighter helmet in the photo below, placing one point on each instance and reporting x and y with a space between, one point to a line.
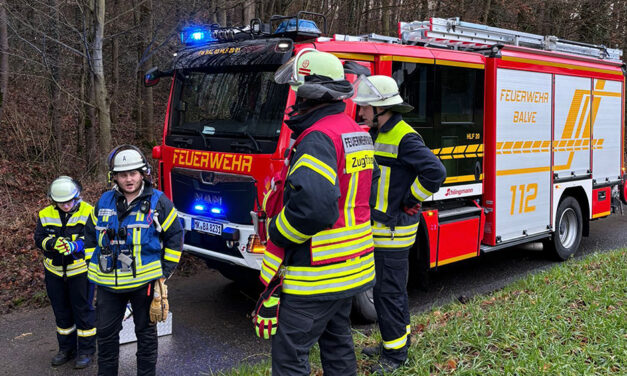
315 75
64 189
380 91
127 158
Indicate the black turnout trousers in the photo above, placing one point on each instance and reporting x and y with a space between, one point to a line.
304 322
72 311
110 308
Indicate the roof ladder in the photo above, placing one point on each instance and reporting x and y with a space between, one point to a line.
458 34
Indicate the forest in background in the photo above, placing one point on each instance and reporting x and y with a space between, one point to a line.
71 84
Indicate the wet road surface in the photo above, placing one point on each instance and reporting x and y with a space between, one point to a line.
211 324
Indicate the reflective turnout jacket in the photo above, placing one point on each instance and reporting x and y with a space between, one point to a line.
53 223
410 173
324 225
151 234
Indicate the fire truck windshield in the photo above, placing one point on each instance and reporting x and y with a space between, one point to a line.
234 111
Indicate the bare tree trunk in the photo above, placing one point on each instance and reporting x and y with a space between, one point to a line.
149 130
53 61
249 11
4 57
486 11
90 126
115 62
139 87
100 87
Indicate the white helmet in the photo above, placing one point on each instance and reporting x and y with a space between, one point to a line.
127 160
379 91
64 189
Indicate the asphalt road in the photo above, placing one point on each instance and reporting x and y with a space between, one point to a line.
212 330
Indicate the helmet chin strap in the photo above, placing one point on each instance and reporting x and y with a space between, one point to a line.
375 119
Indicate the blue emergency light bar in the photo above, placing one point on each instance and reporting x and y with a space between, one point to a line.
196 35
202 207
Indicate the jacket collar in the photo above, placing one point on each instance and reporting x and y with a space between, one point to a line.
299 123
395 119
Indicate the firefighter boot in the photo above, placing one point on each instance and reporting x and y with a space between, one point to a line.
83 361
385 366
62 357
372 351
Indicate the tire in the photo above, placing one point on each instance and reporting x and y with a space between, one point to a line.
363 308
568 230
419 270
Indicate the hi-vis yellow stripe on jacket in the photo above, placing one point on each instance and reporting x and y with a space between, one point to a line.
154 249
50 227
410 173
324 225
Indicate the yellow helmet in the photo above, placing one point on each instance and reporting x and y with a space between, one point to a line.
315 75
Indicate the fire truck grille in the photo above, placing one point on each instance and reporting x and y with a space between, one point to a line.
214 195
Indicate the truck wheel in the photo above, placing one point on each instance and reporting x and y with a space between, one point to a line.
568 229
363 308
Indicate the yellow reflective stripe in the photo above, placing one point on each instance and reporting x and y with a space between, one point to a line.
169 220
340 233
50 221
395 344
379 229
316 165
65 332
272 260
89 252
340 269
172 255
419 192
408 329
265 200
398 242
386 144
341 249
43 242
137 245
383 188
76 268
329 286
266 273
94 219
125 280
86 333
385 150
288 231
349 204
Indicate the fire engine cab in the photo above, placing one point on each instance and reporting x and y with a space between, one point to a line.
530 129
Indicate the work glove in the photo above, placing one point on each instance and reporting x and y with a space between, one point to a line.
60 245
159 307
266 313
412 210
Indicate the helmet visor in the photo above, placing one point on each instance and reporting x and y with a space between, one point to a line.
288 72
367 93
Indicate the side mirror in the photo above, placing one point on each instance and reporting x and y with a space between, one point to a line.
151 78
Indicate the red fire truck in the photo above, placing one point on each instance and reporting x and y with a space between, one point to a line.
529 127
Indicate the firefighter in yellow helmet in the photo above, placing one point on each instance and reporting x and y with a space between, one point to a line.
59 234
322 224
136 239
410 173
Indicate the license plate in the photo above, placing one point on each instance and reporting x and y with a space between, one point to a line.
212 228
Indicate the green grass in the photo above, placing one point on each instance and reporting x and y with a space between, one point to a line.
569 320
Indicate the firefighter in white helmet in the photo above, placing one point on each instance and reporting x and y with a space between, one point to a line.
59 234
410 173
321 223
136 239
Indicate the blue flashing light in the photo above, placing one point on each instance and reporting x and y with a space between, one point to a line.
200 207
305 26
196 35
216 210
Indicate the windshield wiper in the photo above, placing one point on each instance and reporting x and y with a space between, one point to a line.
257 148
189 131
